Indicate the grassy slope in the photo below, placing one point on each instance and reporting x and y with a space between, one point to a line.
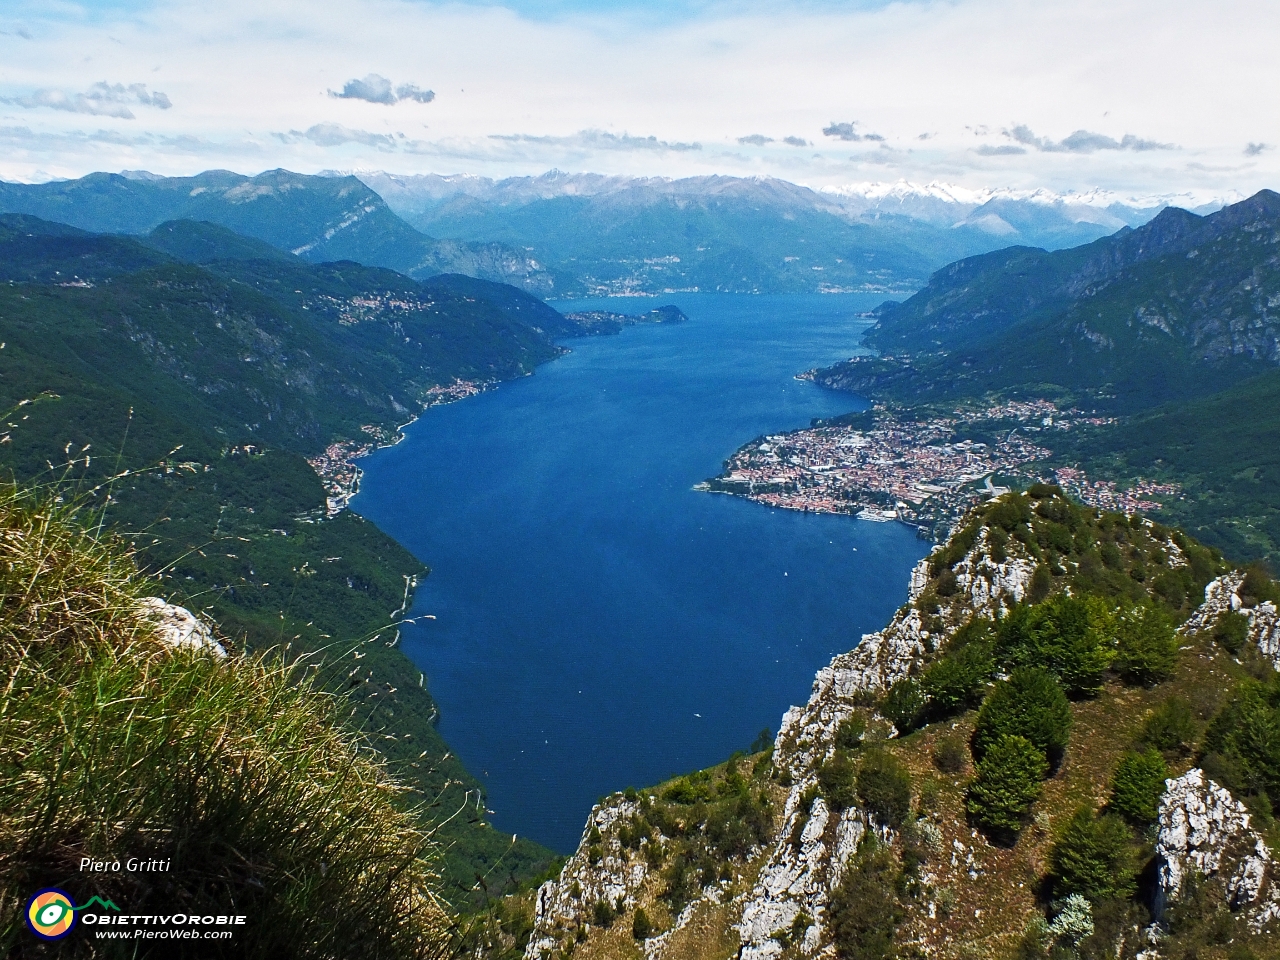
237 771
226 529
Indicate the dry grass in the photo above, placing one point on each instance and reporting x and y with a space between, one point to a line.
238 771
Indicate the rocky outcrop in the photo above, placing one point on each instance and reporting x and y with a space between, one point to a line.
1222 595
602 869
1205 832
178 627
800 877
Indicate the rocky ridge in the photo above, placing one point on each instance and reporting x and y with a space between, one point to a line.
784 904
1205 832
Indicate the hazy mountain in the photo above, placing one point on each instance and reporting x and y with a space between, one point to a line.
626 234
1180 306
315 218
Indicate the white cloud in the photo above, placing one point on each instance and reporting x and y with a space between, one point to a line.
376 88
1082 141
668 96
100 100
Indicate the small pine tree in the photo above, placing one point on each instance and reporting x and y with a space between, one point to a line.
884 787
641 925
1146 647
1029 704
836 780
1092 857
1007 784
1171 729
904 705
1137 786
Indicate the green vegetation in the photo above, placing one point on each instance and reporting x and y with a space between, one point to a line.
1146 648
866 908
1007 784
1092 857
884 787
1030 704
711 817
198 458
241 771
1241 747
1138 785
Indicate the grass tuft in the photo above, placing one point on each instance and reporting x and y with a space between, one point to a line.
238 771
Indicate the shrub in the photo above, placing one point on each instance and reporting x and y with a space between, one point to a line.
1246 735
1029 704
950 754
1007 784
1146 647
849 733
1137 786
1069 636
884 787
904 705
1258 585
836 780
1092 858
603 914
956 682
1171 728
1041 584
865 909
641 925
1231 631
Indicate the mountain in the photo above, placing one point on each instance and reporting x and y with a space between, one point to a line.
178 404
315 218
1173 309
1028 761
625 234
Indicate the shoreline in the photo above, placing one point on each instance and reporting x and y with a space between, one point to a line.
337 467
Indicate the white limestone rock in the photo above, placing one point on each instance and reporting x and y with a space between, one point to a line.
1222 595
178 627
566 901
1204 830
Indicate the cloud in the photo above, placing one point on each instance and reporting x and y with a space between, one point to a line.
101 100
376 88
848 131
795 141
1004 150
408 91
1082 141
1253 149
335 135
755 140
599 139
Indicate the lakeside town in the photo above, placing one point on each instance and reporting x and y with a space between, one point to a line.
336 466
927 472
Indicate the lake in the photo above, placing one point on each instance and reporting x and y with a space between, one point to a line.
598 623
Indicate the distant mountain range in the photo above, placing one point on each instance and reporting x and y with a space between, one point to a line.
1171 309
753 235
573 235
315 218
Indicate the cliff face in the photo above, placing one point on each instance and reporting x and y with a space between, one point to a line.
965 894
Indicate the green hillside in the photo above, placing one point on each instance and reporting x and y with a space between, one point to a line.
1174 309
316 218
182 401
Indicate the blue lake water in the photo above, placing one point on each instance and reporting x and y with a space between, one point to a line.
599 623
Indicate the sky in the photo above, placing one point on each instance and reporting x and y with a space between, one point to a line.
1143 98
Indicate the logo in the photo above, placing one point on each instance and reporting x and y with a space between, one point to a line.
50 914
